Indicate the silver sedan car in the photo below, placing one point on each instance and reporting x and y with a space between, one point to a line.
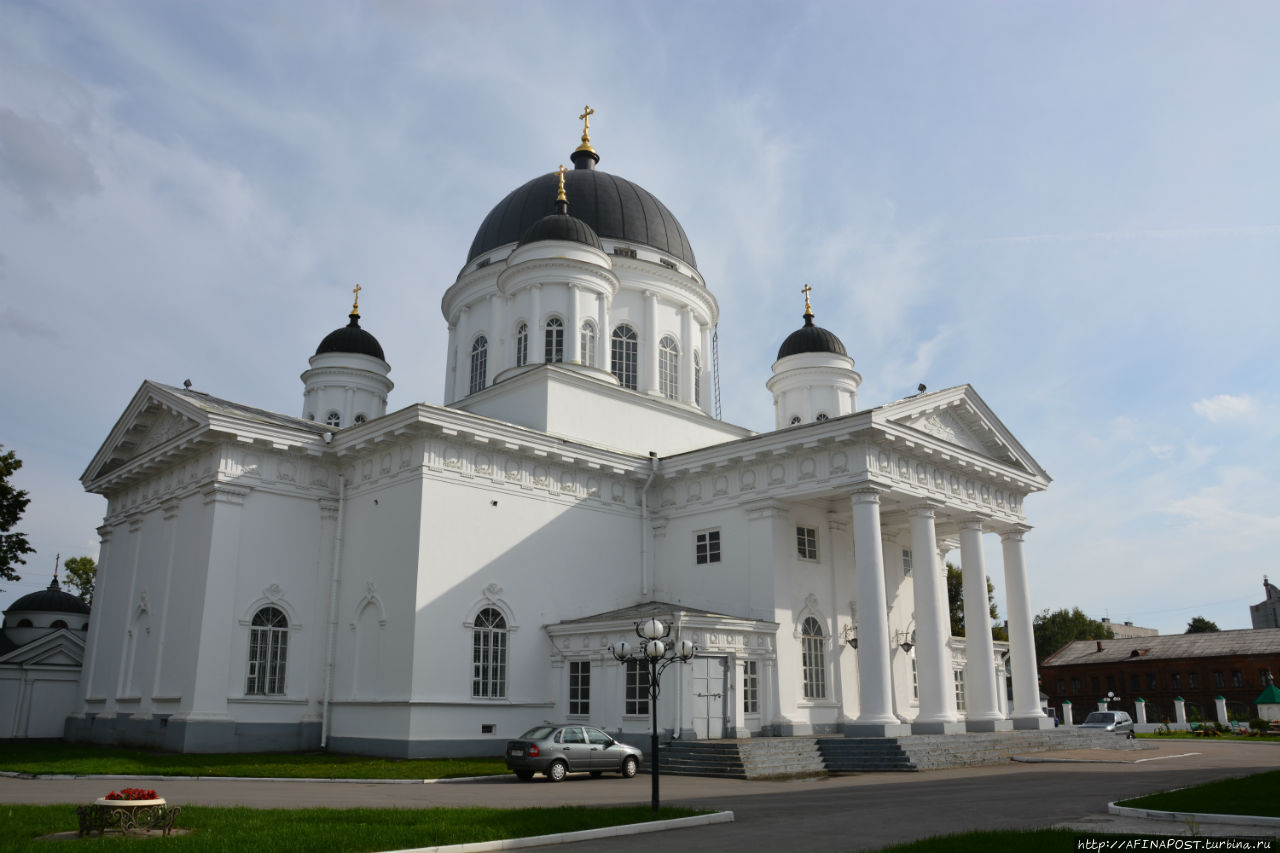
557 750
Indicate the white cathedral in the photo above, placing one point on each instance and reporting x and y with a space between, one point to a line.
434 580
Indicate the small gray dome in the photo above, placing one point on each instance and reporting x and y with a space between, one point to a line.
50 600
811 338
351 338
561 226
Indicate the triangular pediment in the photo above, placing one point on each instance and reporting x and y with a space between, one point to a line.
60 648
960 417
154 418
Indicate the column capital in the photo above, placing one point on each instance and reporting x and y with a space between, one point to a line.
1014 533
867 493
925 508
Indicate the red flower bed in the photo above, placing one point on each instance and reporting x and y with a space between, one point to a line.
132 794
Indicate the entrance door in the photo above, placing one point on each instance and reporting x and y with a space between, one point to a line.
710 696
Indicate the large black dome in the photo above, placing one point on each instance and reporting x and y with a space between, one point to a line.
810 338
50 600
613 207
351 338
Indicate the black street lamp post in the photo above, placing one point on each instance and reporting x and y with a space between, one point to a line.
657 653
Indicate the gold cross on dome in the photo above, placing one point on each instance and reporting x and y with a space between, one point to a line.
560 196
806 290
355 306
587 113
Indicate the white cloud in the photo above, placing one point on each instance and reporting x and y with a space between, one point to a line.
1226 408
1162 451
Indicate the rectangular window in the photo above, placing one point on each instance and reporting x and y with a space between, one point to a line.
1095 683
1151 682
637 689
1111 683
1133 681
906 562
707 547
1219 680
579 687
1175 681
1193 680
813 665
751 687
1237 678
1075 687
1062 687
915 682
624 251
959 674
807 543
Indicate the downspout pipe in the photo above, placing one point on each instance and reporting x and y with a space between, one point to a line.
646 570
331 639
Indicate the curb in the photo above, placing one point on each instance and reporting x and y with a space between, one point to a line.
582 835
14 774
1182 817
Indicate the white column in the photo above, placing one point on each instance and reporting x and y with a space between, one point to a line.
462 371
686 355
933 659
450 367
497 335
983 702
605 334
875 681
1022 644
649 345
575 328
537 330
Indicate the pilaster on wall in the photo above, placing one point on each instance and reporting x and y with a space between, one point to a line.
210 677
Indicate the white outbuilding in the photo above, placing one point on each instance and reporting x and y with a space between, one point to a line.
435 579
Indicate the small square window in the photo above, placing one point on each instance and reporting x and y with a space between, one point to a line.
807 543
707 547
906 562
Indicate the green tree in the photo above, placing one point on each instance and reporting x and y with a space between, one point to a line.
955 603
1054 630
13 502
81 573
1201 625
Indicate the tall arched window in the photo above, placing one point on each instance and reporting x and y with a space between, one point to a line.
555 340
489 655
669 367
625 353
588 341
268 652
479 363
697 379
522 345
814 663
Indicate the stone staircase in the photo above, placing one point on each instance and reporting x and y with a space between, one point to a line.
782 757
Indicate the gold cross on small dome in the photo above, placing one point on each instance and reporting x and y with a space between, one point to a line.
355 306
806 290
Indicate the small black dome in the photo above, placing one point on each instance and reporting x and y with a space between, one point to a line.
351 338
561 226
810 338
612 207
50 600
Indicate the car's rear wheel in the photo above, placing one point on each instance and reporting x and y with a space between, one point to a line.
630 767
556 771
524 775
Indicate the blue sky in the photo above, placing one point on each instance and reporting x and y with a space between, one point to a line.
1073 207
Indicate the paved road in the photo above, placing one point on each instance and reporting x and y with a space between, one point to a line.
860 812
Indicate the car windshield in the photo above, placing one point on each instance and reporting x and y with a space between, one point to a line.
538 733
1101 717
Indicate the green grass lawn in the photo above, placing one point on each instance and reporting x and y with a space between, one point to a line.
308 830
1252 795
84 760
1193 736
